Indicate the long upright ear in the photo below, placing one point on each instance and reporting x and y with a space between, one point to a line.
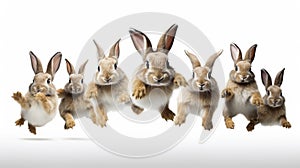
54 64
193 58
141 42
115 50
99 51
166 40
266 78
70 67
279 78
250 54
211 61
236 53
82 68
35 63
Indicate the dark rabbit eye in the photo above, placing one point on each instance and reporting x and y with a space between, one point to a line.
115 65
99 68
81 80
48 80
168 64
193 74
69 80
147 64
236 68
268 92
33 81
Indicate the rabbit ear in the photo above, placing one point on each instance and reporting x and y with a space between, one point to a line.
141 42
211 61
115 50
70 67
82 67
236 53
166 41
193 58
279 78
53 64
250 54
99 51
266 78
35 63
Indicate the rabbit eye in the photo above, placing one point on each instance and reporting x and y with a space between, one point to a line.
268 92
193 74
115 65
168 64
81 80
69 80
147 64
99 68
236 68
48 80
33 81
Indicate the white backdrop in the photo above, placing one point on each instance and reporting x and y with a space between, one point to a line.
46 27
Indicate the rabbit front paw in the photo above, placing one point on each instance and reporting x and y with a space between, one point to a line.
229 123
257 100
124 98
179 80
69 124
227 93
179 120
286 124
139 91
208 125
20 122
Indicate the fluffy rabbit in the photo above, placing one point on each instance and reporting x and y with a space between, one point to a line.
241 94
39 105
273 112
74 103
202 92
155 79
110 85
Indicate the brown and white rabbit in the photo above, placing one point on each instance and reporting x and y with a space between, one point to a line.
110 85
39 104
202 92
74 104
155 80
273 111
241 93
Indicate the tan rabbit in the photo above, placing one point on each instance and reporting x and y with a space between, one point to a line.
273 112
74 104
110 85
39 104
202 92
241 93
155 79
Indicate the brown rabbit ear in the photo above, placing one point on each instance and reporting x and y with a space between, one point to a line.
250 54
279 78
236 53
211 61
82 68
266 78
115 50
99 51
141 42
70 67
193 58
35 63
53 64
166 41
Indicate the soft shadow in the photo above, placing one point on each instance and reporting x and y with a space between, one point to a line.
37 139
54 139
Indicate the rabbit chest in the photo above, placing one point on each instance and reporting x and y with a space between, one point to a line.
36 115
155 98
270 116
240 102
108 96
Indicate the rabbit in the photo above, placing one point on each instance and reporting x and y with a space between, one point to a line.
273 111
39 104
74 104
202 92
241 93
155 79
110 85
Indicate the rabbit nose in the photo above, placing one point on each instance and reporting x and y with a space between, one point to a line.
107 79
158 79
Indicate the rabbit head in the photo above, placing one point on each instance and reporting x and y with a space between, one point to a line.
76 84
201 81
156 70
273 96
242 73
108 71
42 81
